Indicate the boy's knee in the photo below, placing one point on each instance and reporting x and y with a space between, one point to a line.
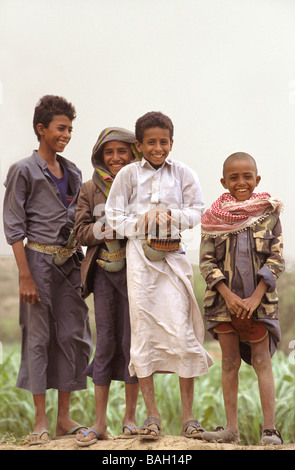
261 361
231 363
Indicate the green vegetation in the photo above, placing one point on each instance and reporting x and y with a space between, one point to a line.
17 410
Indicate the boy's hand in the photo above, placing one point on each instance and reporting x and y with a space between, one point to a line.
233 302
109 233
154 218
251 303
235 305
242 307
28 291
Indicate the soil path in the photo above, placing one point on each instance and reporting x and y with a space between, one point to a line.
165 443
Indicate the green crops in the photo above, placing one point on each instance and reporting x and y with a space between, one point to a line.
17 410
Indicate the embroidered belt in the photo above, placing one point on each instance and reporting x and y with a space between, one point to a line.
117 255
59 253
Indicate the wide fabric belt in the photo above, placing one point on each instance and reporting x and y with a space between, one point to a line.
117 255
59 253
112 259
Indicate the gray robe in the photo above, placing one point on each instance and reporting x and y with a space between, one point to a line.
56 337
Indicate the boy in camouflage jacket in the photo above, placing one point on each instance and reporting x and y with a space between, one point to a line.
241 259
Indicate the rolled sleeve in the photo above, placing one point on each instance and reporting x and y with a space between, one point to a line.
268 277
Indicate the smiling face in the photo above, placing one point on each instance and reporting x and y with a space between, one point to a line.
116 155
57 135
155 146
240 178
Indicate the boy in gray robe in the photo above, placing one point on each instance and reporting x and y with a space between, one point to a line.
39 206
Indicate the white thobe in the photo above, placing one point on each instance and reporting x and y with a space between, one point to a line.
167 329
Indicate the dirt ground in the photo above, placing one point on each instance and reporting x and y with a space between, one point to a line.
165 443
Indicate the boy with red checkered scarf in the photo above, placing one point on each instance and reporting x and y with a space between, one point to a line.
240 260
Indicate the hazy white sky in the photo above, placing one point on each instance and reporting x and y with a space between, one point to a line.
223 70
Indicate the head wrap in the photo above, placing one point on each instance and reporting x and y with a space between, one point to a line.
228 215
102 176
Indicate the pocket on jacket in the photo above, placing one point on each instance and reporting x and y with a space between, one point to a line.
262 241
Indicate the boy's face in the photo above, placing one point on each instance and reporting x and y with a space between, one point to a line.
116 155
240 179
57 135
155 146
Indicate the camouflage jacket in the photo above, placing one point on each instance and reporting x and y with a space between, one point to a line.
217 263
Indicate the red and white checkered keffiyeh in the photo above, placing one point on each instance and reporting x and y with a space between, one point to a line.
228 215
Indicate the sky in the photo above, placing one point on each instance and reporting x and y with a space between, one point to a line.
222 70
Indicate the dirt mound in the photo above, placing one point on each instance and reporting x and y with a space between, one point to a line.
165 443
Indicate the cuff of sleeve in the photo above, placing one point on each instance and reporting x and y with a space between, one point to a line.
268 277
183 221
213 278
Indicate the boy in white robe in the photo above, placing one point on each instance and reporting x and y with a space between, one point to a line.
151 202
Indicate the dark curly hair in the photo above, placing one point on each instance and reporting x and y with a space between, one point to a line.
152 119
49 106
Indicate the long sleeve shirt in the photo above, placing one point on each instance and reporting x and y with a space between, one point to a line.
219 261
139 187
33 207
